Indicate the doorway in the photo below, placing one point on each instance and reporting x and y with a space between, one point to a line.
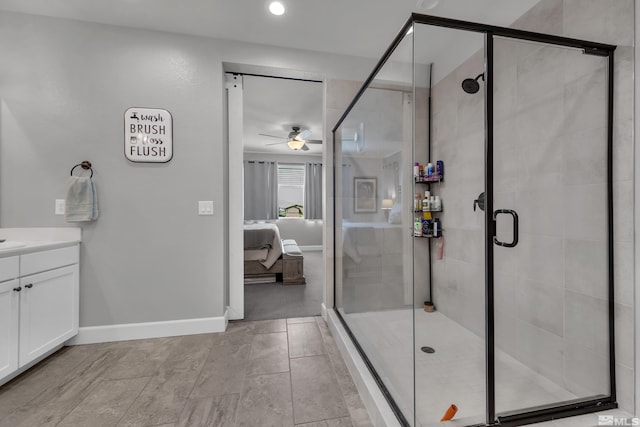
275 196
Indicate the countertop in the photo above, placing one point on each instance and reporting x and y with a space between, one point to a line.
38 239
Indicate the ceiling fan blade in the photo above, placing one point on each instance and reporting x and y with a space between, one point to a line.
272 136
276 143
305 148
303 135
313 141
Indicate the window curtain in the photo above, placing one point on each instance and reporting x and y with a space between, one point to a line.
260 190
313 191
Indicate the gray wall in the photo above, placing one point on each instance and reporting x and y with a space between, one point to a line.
64 87
550 135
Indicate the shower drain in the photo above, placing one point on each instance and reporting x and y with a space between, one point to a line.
428 349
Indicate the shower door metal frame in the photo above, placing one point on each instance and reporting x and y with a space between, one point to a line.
564 409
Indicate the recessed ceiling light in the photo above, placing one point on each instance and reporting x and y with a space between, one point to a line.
276 8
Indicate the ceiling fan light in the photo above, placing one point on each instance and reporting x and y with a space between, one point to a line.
295 144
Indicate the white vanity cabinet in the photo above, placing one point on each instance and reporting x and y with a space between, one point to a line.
48 311
9 314
39 310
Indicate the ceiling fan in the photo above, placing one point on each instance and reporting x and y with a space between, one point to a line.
296 140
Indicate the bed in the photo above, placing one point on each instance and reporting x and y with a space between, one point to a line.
370 266
262 253
361 240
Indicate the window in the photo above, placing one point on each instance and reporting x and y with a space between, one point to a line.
290 190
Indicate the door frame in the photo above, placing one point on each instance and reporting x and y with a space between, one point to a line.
235 214
235 209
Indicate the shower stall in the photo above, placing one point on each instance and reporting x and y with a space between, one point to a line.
474 224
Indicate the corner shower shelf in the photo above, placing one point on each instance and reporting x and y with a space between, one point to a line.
428 236
430 210
429 180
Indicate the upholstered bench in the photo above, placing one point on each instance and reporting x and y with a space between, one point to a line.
292 263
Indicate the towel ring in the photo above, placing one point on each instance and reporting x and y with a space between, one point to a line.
86 165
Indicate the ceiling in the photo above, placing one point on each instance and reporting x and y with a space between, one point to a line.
272 106
351 27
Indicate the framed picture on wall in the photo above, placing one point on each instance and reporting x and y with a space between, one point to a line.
365 191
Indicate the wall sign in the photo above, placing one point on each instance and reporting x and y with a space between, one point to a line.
148 135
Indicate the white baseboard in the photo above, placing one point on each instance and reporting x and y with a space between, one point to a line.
137 331
310 248
377 406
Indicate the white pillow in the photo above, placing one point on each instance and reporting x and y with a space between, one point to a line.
395 214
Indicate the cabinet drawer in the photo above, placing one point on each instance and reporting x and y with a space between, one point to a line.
9 268
47 260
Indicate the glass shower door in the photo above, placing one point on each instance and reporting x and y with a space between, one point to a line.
550 202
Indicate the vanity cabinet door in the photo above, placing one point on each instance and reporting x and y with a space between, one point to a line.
48 311
9 308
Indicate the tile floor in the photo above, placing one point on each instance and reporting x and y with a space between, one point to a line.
285 372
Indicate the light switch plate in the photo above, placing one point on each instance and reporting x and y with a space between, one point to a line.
59 207
205 207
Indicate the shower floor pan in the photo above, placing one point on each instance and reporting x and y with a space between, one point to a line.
453 374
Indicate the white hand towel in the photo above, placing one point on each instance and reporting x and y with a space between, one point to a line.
81 203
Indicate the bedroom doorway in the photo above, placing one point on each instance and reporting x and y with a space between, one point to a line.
275 129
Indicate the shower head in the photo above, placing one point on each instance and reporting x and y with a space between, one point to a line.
472 85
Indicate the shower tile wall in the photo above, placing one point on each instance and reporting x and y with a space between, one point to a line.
458 140
549 290
420 155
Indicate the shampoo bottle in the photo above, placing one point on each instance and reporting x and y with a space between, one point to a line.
437 231
429 169
426 227
425 204
440 168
